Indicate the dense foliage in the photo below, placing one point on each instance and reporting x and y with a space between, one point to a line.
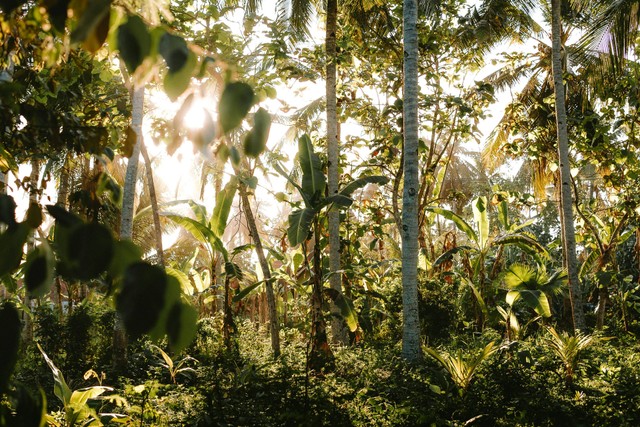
241 320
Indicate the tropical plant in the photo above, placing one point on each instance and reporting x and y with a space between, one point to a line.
462 368
176 368
568 348
533 286
477 273
77 411
305 223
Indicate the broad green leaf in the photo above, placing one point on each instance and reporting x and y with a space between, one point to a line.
174 50
60 387
246 291
233 270
90 250
199 231
82 396
349 189
91 24
7 210
34 215
125 253
63 217
134 42
503 214
256 140
520 276
172 296
589 264
479 299
313 179
183 279
175 83
57 11
235 102
346 308
10 339
181 326
12 243
537 300
201 281
224 201
338 199
39 271
481 218
525 242
142 297
299 225
457 220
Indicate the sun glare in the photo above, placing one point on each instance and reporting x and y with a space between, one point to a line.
195 117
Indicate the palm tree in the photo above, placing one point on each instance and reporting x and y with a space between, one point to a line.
559 57
126 219
411 323
333 147
566 197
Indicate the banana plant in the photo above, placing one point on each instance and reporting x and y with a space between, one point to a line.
304 222
482 242
77 411
600 265
208 230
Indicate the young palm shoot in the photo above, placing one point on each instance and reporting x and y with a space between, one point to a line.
568 348
462 368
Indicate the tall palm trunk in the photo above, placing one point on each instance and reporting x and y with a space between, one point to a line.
338 330
274 327
126 220
129 190
566 213
154 202
411 323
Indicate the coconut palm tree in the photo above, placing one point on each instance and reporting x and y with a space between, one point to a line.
566 197
411 323
559 58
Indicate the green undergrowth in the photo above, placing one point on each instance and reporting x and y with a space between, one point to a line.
523 383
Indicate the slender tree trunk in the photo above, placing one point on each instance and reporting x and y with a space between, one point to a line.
3 182
411 324
126 220
129 190
3 190
338 329
34 196
274 327
566 217
218 280
320 356
154 202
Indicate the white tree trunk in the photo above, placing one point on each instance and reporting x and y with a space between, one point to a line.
126 220
566 212
129 190
338 329
411 324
